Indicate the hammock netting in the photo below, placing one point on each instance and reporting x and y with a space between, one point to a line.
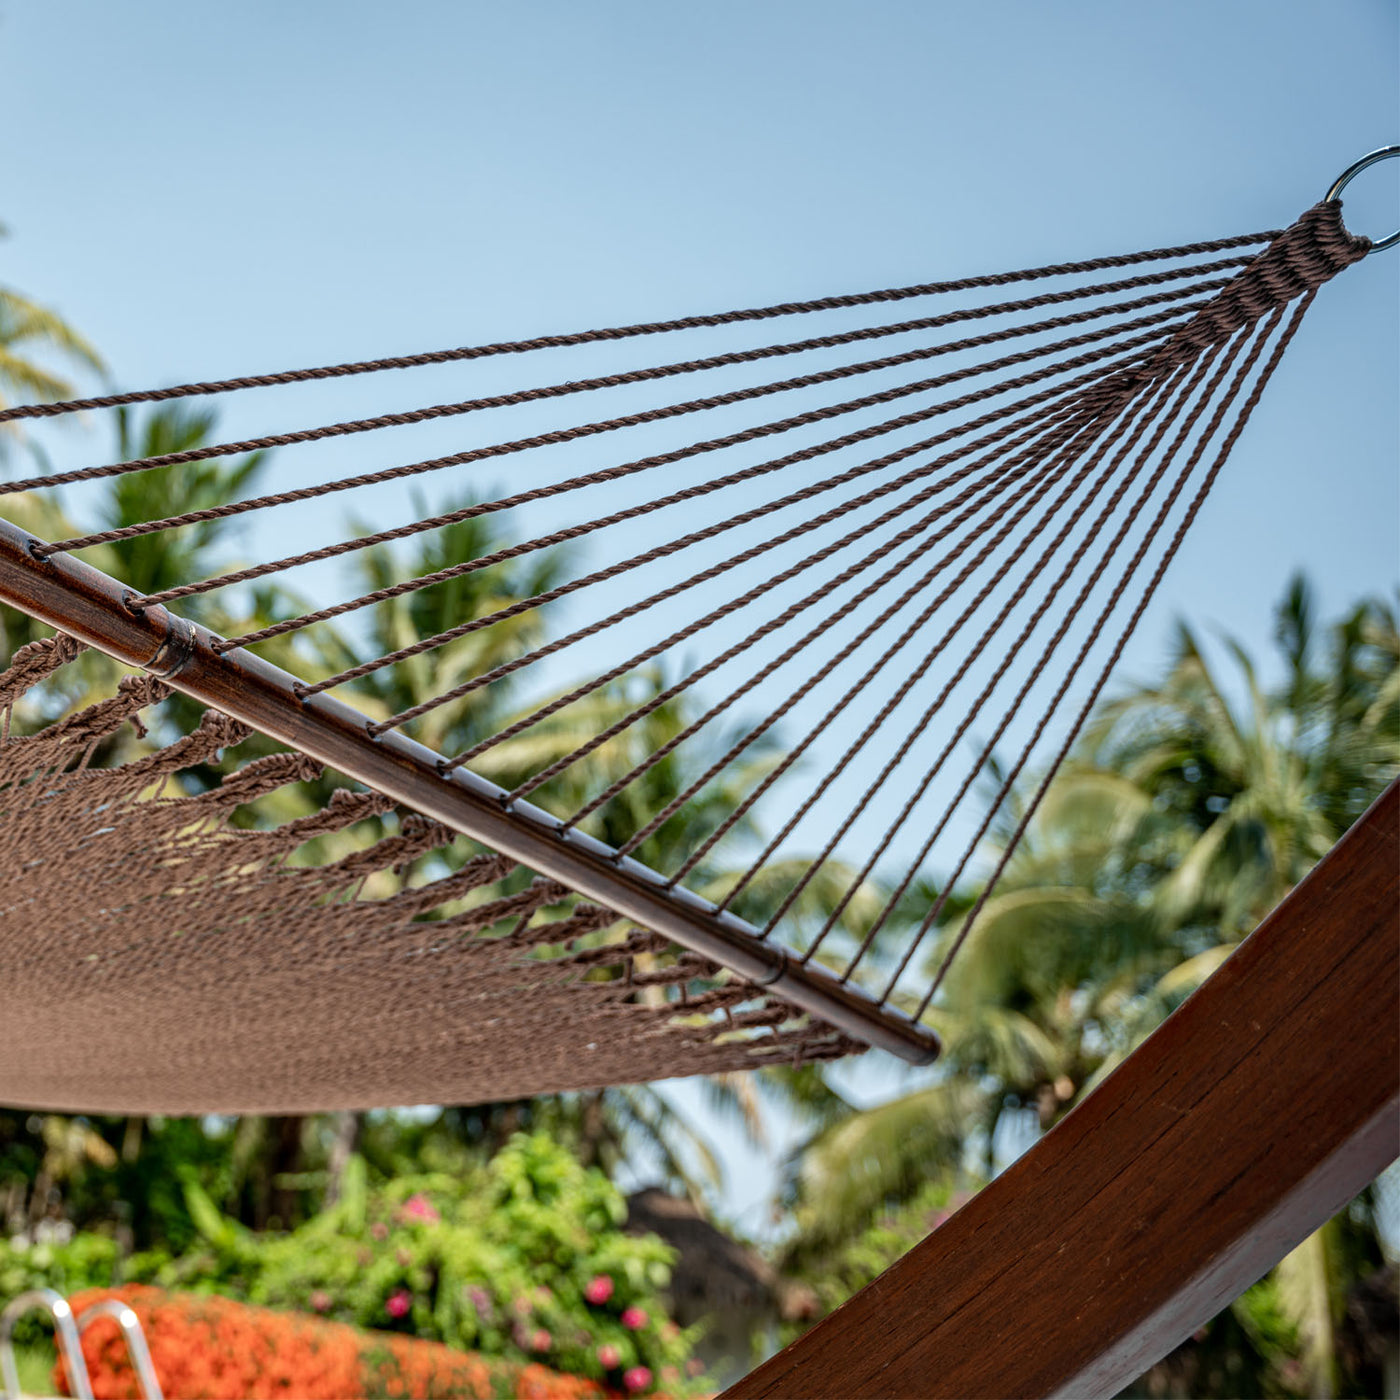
156 958
832 645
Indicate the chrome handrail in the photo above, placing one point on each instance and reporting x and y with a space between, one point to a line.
136 1347
65 1330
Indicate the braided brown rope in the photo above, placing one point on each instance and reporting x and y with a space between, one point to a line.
909 533
561 436
813 416
892 702
1198 500
570 534
884 396
1179 479
1056 461
1027 493
1188 421
693 580
550 342
1161 413
607 381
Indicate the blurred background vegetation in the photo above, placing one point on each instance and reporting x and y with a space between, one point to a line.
1191 806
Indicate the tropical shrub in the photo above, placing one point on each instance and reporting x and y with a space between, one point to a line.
85 1261
523 1259
837 1272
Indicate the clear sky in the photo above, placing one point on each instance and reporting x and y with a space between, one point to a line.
209 190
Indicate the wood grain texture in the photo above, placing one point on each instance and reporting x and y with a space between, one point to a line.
1254 1113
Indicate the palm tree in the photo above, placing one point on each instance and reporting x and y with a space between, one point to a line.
166 558
161 559
609 1125
30 333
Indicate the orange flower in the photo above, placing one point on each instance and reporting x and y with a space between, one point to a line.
217 1349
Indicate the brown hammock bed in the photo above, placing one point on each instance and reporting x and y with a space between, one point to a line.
159 955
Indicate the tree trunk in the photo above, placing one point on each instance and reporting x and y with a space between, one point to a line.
346 1140
284 1158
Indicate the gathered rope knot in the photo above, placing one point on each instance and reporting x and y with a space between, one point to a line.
265 775
1308 253
219 730
35 662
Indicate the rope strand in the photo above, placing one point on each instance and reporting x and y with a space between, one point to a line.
1203 491
551 342
884 602
1179 479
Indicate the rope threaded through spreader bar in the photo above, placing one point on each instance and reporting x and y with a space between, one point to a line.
887 604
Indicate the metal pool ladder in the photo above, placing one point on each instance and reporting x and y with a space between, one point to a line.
68 1332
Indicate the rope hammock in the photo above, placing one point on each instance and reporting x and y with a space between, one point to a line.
815 657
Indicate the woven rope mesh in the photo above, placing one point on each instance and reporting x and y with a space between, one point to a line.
173 939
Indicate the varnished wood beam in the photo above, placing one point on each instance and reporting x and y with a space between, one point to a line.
1252 1115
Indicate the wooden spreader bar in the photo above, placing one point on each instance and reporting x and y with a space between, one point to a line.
89 606
1251 1116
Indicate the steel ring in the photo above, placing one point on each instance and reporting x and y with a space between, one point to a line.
1351 172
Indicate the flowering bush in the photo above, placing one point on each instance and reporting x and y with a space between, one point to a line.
215 1349
524 1259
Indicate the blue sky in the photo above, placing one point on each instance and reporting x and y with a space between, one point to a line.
213 190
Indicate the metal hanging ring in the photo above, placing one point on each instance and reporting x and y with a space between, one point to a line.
1351 172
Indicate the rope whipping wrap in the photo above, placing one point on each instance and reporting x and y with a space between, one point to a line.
775 673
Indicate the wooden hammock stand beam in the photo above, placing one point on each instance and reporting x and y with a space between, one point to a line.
1250 1117
89 606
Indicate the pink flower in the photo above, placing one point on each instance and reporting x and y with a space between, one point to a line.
540 1340
379 1230
638 1378
670 1331
599 1289
398 1303
634 1318
521 1305
419 1207
669 1375
320 1300
609 1356
694 1366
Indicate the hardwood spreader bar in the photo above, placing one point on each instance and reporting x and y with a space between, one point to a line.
1255 1112
89 606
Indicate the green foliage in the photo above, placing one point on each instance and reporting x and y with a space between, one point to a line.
494 1259
30 334
87 1260
870 1161
166 558
35 1367
1190 807
835 1274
